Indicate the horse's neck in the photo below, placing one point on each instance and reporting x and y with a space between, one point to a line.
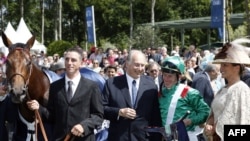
38 87
36 68
26 113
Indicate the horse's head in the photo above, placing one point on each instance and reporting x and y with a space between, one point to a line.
18 68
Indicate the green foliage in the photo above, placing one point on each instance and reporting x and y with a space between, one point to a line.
121 40
58 47
143 38
106 45
112 19
240 32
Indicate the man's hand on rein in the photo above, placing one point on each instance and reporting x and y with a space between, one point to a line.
33 105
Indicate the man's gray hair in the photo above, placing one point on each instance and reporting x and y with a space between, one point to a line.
210 67
132 53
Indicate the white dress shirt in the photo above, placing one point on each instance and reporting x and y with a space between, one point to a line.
75 81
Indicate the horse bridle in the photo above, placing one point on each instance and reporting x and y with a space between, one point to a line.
25 88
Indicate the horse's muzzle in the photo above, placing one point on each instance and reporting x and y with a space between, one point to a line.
17 95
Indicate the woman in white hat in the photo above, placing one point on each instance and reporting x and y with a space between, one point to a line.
231 104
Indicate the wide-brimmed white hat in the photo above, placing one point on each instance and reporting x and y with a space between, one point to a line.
234 52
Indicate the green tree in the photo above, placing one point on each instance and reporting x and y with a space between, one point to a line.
142 38
58 47
112 19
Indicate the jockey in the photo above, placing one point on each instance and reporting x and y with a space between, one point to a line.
176 99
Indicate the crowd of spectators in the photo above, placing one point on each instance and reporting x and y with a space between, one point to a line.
110 63
102 61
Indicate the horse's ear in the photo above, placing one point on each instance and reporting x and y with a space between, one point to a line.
31 42
6 40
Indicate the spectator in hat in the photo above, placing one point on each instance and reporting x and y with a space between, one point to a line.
231 103
59 68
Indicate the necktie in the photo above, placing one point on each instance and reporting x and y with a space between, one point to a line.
134 92
70 91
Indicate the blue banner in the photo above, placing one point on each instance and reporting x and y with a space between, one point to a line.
217 13
90 22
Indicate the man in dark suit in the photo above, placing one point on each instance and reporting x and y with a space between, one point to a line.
76 113
202 82
130 111
246 76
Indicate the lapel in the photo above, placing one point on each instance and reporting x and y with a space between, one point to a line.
62 89
140 90
204 73
124 89
78 90
209 81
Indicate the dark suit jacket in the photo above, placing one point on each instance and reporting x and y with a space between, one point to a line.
85 108
8 113
156 57
202 83
116 96
246 77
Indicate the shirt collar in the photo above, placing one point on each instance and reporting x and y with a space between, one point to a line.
130 79
75 80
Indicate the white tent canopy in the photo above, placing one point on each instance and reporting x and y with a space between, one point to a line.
11 34
21 35
24 35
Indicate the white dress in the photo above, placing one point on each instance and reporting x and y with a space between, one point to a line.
231 106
